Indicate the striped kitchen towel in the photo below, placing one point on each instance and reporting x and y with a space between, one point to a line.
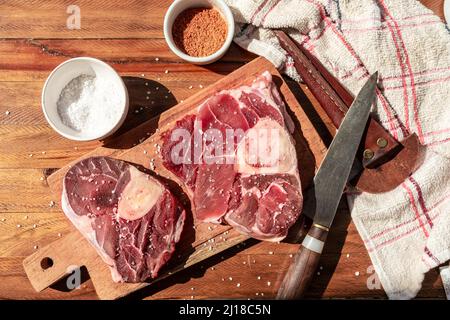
406 231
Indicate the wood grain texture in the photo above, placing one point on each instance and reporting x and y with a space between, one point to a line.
99 19
63 259
34 40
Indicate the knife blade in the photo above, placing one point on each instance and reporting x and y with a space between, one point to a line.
330 180
329 183
309 206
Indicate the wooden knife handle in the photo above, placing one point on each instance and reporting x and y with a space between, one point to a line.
302 269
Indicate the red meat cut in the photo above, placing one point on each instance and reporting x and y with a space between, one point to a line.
131 219
239 163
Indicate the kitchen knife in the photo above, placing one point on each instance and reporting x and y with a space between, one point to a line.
329 183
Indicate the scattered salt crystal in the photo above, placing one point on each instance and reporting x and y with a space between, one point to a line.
357 273
34 226
192 288
190 87
230 278
26 217
35 247
30 155
269 264
19 226
59 234
146 83
270 252
200 86
43 152
321 268
3 219
258 277
143 75
209 228
7 112
348 255
269 283
318 273
41 178
166 71
148 98
212 268
291 255
238 285
223 279
51 204
156 59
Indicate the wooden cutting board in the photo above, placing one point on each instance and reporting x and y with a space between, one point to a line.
200 240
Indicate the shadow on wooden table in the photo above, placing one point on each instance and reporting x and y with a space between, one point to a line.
195 271
310 111
147 100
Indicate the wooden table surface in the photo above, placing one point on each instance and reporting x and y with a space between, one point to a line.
128 35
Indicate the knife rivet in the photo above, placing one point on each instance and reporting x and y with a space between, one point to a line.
368 154
382 142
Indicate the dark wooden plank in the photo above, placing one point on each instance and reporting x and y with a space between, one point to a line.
45 54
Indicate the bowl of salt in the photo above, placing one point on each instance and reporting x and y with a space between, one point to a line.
84 99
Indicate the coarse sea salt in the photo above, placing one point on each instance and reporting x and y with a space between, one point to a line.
90 104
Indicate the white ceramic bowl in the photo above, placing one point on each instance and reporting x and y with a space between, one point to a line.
179 6
447 11
61 76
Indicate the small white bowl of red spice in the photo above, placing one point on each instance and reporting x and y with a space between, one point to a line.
199 31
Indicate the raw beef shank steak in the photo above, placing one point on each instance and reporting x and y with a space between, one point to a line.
131 219
237 159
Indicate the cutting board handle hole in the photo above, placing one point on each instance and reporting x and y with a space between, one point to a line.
46 263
